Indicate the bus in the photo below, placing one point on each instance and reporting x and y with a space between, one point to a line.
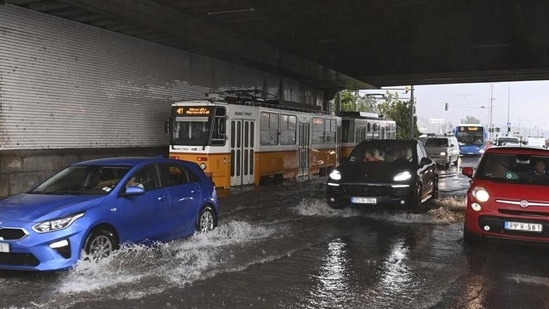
239 139
472 139
359 126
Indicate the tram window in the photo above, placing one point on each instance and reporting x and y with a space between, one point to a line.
318 130
268 132
330 131
288 127
347 131
219 132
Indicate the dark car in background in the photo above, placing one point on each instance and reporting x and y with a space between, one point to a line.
509 195
400 175
91 208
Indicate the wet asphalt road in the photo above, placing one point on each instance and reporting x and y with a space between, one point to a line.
283 247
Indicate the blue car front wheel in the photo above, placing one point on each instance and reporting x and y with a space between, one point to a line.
100 244
206 220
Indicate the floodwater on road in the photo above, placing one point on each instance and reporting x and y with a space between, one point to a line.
281 246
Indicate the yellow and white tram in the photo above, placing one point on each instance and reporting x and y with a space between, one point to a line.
359 126
250 142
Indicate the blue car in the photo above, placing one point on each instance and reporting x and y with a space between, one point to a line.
90 208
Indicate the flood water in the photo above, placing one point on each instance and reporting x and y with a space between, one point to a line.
281 246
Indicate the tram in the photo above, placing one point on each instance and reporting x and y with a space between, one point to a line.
359 126
240 140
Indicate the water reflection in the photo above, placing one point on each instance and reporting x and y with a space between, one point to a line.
506 274
394 275
333 289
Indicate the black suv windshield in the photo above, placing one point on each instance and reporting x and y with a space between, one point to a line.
384 151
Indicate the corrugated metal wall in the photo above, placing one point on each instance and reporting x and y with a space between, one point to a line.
68 85
65 85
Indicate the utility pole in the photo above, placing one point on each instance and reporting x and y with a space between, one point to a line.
490 124
412 112
509 109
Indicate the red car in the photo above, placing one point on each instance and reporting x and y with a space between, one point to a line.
509 195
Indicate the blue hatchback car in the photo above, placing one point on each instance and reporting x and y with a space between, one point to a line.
90 208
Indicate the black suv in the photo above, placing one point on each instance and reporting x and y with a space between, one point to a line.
386 174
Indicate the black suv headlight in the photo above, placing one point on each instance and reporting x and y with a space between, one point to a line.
335 175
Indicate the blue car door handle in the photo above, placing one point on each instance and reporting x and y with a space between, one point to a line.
162 197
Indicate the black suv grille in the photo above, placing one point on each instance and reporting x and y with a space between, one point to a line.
360 190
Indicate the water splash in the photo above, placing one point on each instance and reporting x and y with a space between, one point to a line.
155 268
449 210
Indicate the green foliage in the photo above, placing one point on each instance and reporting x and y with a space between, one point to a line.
391 106
348 100
399 111
352 101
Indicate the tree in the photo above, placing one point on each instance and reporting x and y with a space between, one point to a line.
391 106
471 119
351 100
348 100
399 111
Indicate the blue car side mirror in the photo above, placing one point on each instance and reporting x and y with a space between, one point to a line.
134 191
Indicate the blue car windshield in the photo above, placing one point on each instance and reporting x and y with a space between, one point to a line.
80 179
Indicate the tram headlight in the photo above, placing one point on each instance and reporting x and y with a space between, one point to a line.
335 175
202 165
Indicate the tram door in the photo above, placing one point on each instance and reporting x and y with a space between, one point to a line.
242 152
304 145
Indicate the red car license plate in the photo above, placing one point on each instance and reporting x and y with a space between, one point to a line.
521 226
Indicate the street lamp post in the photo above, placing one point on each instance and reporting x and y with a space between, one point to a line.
411 112
491 108
490 125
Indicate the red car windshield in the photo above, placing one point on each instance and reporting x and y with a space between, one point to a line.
519 168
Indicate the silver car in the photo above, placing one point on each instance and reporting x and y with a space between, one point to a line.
444 150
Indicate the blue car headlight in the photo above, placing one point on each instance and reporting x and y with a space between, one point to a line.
335 175
402 176
56 224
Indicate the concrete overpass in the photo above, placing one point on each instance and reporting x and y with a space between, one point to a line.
355 44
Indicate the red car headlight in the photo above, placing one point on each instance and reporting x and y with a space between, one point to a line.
481 194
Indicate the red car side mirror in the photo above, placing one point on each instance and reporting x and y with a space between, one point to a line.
467 171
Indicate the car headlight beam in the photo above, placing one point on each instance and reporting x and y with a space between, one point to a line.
481 194
335 175
56 224
402 176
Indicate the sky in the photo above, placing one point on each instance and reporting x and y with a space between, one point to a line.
524 105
